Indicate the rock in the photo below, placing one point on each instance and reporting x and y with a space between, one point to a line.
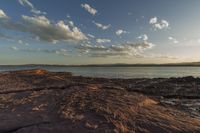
65 103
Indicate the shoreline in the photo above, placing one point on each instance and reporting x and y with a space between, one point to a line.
59 101
99 73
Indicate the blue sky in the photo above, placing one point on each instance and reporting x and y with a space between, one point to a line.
99 31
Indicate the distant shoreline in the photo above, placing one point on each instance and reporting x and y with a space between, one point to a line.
108 65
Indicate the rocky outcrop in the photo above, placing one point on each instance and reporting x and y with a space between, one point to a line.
38 101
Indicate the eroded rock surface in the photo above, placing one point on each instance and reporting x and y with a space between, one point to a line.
38 101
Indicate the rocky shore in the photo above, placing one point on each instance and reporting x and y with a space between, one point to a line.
38 101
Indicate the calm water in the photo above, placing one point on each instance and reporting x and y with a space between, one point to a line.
118 72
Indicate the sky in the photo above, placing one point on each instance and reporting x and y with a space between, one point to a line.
75 32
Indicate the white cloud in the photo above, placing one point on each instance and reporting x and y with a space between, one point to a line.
162 25
89 9
51 32
91 36
88 47
101 26
173 40
62 52
68 16
153 20
162 56
120 32
159 25
3 15
121 50
22 42
46 30
31 6
143 37
14 48
103 40
71 23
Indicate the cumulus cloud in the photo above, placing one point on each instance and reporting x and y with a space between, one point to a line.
143 37
89 9
101 26
120 32
100 41
159 25
28 4
46 30
62 52
122 50
173 40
